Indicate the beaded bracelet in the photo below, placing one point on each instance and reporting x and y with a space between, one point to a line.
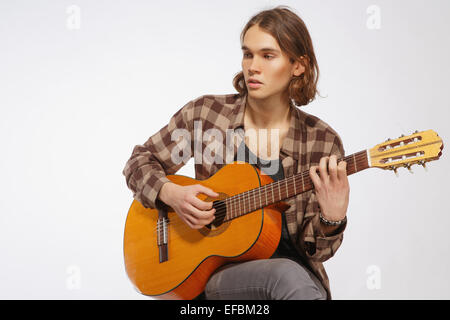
332 223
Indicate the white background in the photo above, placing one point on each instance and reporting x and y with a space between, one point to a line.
75 101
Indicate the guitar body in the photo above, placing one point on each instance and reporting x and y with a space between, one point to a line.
194 254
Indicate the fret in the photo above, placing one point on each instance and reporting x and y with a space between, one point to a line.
295 189
248 203
273 197
354 162
254 198
239 202
303 182
260 205
279 189
287 190
243 199
265 194
233 209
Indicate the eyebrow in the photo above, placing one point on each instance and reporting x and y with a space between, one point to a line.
262 49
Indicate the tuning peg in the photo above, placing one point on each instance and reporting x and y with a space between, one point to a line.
396 173
408 166
423 165
388 139
417 131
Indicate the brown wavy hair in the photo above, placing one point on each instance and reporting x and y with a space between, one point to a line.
293 38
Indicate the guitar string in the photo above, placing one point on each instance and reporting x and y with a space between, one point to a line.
183 225
253 194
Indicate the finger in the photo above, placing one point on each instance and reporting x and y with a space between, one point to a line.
200 204
190 220
206 190
202 222
342 170
201 215
332 168
323 170
315 177
193 222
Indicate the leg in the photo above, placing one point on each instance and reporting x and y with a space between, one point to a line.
267 279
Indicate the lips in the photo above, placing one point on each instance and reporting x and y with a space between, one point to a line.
253 80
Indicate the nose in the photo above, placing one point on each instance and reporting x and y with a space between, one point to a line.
254 66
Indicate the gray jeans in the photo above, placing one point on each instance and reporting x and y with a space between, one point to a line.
266 279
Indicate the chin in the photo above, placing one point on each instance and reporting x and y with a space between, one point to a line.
258 94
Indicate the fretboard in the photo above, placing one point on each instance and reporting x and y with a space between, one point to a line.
274 192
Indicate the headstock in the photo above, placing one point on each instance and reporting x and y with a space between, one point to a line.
405 151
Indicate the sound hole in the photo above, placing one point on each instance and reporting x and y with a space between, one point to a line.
218 225
220 214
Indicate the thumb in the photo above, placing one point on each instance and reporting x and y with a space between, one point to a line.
207 191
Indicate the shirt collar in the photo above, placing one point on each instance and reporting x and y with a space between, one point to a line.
292 142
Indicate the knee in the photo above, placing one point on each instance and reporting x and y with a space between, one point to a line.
292 282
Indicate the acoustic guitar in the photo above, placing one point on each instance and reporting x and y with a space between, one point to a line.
166 259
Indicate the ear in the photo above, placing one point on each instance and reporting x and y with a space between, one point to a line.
299 66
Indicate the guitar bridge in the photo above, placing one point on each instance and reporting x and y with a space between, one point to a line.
162 230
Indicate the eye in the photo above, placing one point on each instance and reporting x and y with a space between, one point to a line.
268 56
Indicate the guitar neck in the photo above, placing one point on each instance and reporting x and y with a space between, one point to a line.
274 192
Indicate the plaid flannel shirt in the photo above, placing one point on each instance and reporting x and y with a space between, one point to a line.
307 141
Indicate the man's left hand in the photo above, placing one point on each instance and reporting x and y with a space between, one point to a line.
331 187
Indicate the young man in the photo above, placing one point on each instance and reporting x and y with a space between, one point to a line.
278 68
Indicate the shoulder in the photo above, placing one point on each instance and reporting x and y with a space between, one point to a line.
319 131
211 109
214 107
200 105
313 123
218 102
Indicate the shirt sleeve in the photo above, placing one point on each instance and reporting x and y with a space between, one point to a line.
163 153
316 245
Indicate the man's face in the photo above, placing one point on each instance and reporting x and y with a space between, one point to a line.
263 60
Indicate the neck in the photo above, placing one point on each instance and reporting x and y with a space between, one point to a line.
268 113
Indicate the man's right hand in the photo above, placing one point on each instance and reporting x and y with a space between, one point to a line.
183 199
